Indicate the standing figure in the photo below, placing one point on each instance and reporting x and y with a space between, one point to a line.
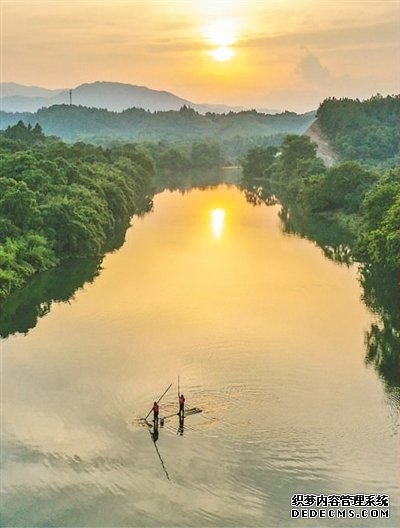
181 405
156 409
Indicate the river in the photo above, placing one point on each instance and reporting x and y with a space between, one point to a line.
267 337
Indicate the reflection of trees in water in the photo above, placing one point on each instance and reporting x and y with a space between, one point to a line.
382 296
340 253
258 195
21 311
257 191
335 241
381 292
381 289
383 352
185 181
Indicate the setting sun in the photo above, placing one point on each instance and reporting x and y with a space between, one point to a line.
222 34
222 53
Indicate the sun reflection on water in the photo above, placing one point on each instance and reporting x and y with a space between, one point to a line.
217 222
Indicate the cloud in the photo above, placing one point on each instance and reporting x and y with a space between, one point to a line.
312 70
343 38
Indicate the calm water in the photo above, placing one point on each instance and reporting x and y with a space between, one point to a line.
267 336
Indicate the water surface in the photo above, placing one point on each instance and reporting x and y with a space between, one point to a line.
267 337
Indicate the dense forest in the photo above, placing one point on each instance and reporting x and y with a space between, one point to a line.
235 132
59 201
365 131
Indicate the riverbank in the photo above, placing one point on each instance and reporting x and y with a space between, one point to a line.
59 202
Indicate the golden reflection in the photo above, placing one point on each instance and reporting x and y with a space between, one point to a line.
217 222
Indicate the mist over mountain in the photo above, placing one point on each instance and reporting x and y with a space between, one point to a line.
232 134
111 96
9 89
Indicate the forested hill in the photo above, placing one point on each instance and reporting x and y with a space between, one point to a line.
78 123
59 201
366 131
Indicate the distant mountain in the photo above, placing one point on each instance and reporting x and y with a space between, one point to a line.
107 95
110 96
23 103
8 89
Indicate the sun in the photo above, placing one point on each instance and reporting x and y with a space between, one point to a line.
222 54
223 34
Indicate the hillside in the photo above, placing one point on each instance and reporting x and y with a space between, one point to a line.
78 123
366 131
10 89
324 149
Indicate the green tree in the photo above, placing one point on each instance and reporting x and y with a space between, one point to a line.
295 149
257 162
18 204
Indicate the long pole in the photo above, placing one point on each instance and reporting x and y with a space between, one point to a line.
162 461
159 399
178 388
159 456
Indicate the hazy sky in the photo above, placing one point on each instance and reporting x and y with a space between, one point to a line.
274 54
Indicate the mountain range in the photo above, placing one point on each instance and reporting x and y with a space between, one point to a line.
111 96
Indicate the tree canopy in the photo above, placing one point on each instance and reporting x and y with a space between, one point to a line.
365 131
59 201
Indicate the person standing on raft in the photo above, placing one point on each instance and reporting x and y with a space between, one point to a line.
181 405
156 409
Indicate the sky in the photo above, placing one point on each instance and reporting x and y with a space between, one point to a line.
286 54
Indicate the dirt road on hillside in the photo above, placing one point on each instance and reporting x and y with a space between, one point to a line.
324 151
